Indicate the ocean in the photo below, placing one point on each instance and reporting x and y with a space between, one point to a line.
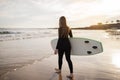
22 47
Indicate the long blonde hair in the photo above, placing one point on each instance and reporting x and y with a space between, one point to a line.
63 28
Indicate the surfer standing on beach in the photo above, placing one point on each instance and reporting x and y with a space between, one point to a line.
64 46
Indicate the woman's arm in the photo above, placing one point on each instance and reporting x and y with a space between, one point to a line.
70 33
56 51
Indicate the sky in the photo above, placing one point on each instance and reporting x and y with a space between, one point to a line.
46 13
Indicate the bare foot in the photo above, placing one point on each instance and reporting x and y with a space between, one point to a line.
57 70
70 76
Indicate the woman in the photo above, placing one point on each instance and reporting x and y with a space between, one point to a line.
64 46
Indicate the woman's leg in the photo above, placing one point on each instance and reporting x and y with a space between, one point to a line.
68 58
60 58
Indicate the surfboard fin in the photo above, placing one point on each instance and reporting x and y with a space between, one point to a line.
86 41
89 52
94 47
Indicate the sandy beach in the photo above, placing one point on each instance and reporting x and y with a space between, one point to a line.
103 66
28 27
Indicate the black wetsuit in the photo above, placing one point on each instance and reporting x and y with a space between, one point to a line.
64 46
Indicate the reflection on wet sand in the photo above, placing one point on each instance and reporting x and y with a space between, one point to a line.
60 76
116 60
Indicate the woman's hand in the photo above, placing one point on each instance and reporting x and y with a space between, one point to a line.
56 51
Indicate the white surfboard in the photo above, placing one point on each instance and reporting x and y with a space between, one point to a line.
82 46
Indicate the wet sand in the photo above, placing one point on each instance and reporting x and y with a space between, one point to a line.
94 67
103 66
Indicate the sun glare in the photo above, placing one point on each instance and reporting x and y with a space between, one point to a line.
111 5
106 7
116 60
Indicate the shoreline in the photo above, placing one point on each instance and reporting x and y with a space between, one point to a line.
21 49
18 66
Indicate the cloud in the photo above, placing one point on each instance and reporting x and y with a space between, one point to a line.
19 12
36 13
